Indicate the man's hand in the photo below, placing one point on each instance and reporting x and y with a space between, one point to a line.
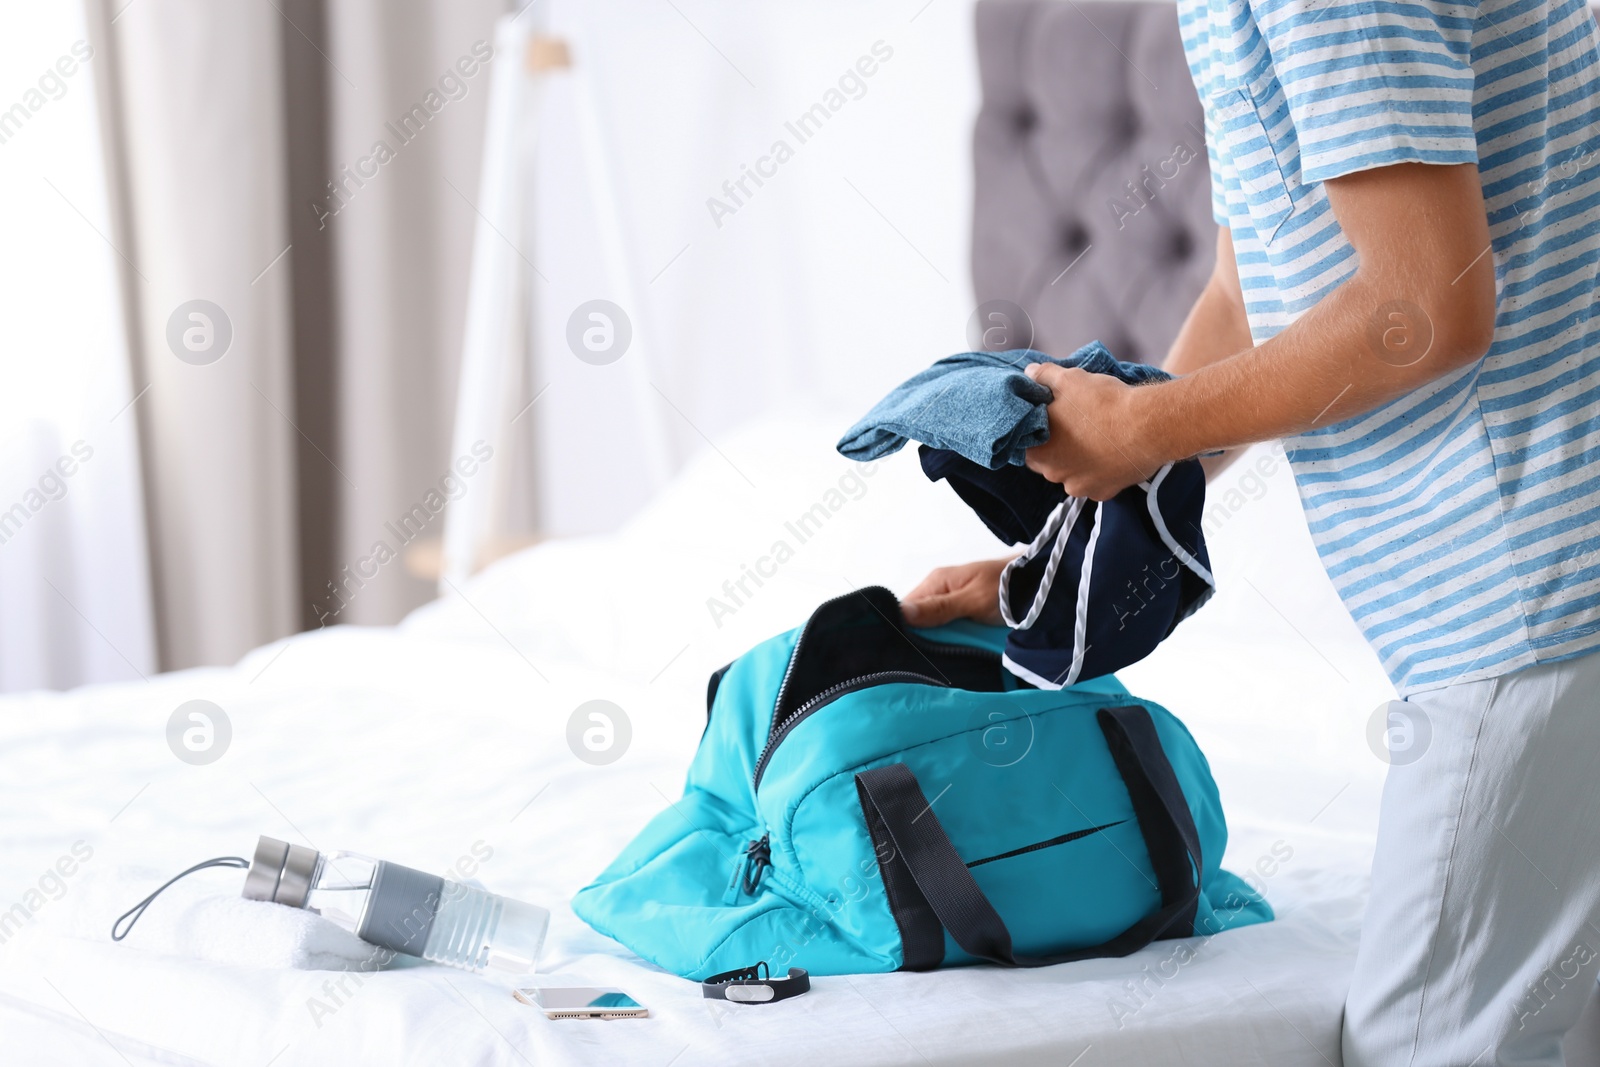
970 591
1095 448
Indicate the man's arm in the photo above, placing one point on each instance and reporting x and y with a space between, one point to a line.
1420 304
1216 328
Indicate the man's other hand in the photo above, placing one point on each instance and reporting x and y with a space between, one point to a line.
970 591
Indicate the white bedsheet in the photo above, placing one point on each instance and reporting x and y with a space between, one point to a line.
446 735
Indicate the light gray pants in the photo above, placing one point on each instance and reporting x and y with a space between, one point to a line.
1482 940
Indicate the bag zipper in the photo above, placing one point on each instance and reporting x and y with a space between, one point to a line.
780 730
943 647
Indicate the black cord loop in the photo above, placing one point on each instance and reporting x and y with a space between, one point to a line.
757 858
133 914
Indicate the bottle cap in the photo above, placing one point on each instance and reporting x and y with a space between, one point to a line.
280 873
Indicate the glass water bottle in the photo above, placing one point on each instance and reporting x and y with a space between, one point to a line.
401 909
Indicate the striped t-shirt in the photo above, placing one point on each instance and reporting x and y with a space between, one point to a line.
1459 522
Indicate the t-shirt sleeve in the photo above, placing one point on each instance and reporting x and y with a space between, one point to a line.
1195 28
1370 83
1219 199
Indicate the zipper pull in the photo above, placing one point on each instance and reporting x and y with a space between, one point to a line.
758 857
748 868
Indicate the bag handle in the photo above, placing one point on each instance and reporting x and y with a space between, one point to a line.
931 890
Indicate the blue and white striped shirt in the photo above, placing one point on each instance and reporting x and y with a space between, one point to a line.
1459 522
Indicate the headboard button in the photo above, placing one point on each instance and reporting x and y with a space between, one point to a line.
1074 238
1024 120
1182 245
1126 124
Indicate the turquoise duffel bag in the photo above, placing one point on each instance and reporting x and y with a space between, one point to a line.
869 797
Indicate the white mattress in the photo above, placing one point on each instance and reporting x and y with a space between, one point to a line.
415 743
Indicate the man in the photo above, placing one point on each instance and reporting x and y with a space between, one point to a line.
1408 194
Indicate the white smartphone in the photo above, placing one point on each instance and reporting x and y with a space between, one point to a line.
582 1002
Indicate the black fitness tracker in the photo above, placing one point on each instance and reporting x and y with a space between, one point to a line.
755 985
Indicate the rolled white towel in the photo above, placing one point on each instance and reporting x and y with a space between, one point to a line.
204 917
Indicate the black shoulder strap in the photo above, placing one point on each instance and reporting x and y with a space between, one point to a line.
931 890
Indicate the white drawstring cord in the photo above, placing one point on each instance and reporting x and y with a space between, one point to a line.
1080 624
1059 527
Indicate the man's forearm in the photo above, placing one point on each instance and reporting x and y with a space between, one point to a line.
1354 351
1215 329
1420 304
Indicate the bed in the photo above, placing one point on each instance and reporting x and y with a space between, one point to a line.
446 736
419 742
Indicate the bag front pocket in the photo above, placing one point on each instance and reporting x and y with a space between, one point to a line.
1060 839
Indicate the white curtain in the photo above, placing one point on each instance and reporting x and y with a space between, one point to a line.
412 77
198 104
74 585
244 135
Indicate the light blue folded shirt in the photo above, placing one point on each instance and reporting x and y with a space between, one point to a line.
978 404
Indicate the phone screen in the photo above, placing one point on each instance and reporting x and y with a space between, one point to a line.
578 998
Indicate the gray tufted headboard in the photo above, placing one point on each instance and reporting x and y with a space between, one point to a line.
1093 209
